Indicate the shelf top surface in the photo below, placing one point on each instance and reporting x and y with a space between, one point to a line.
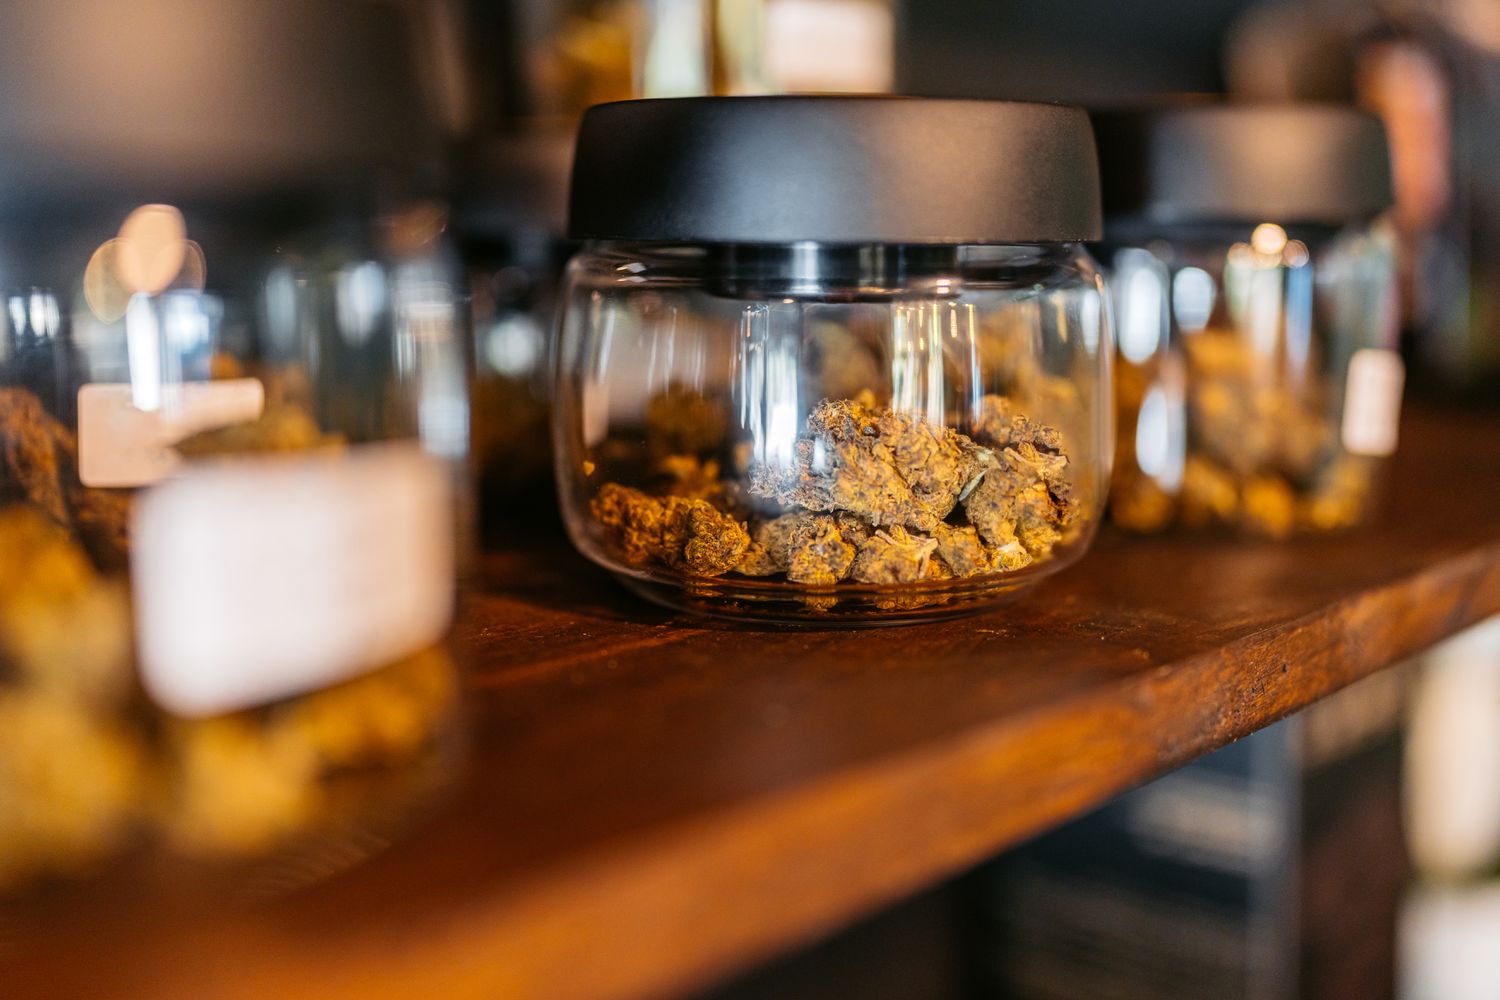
651 802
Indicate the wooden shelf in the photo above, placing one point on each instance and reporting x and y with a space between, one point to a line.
653 802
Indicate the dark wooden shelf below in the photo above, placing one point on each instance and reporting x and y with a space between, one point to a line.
654 802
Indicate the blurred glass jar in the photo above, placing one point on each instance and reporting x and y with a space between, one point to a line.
809 369
510 214
1255 290
233 418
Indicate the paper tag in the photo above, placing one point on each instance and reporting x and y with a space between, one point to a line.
120 445
1372 402
260 578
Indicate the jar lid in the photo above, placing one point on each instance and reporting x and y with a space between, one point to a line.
835 170
1315 163
206 98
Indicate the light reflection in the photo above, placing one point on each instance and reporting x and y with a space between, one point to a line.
513 345
1159 447
144 348
152 245
1193 296
1299 322
766 370
151 276
1268 239
16 306
150 254
917 383
44 314
1263 311
426 332
1140 292
1090 319
34 316
359 301
103 290
279 303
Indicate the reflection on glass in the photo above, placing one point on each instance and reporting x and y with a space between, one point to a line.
767 373
1193 298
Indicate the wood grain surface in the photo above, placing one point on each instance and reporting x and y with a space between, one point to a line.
651 803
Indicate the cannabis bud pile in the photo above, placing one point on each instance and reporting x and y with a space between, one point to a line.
867 494
1262 455
89 764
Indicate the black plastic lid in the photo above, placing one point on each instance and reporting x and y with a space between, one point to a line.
835 170
1311 163
207 98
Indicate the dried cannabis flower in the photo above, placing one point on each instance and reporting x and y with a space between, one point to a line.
38 464
690 477
875 497
83 772
683 421
887 468
1021 496
1263 452
36 447
73 773
892 555
682 533
243 782
281 427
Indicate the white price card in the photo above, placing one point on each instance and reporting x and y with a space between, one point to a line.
1372 402
121 445
259 578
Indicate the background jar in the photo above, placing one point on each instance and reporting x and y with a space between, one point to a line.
232 403
510 213
822 360
1255 290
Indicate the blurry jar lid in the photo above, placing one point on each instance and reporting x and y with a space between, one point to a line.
835 170
205 97
1315 163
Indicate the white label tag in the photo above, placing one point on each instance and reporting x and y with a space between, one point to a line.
120 445
260 578
1372 402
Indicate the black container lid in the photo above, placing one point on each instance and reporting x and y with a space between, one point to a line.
1311 163
104 99
835 170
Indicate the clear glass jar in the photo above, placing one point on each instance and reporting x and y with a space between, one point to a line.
829 430
233 417
510 215
1258 385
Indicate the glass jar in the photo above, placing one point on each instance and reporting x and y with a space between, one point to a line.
811 370
510 215
1255 287
233 418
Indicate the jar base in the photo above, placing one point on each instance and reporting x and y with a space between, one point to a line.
828 607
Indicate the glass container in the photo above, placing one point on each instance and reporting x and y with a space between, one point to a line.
1254 277
233 418
510 216
833 360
